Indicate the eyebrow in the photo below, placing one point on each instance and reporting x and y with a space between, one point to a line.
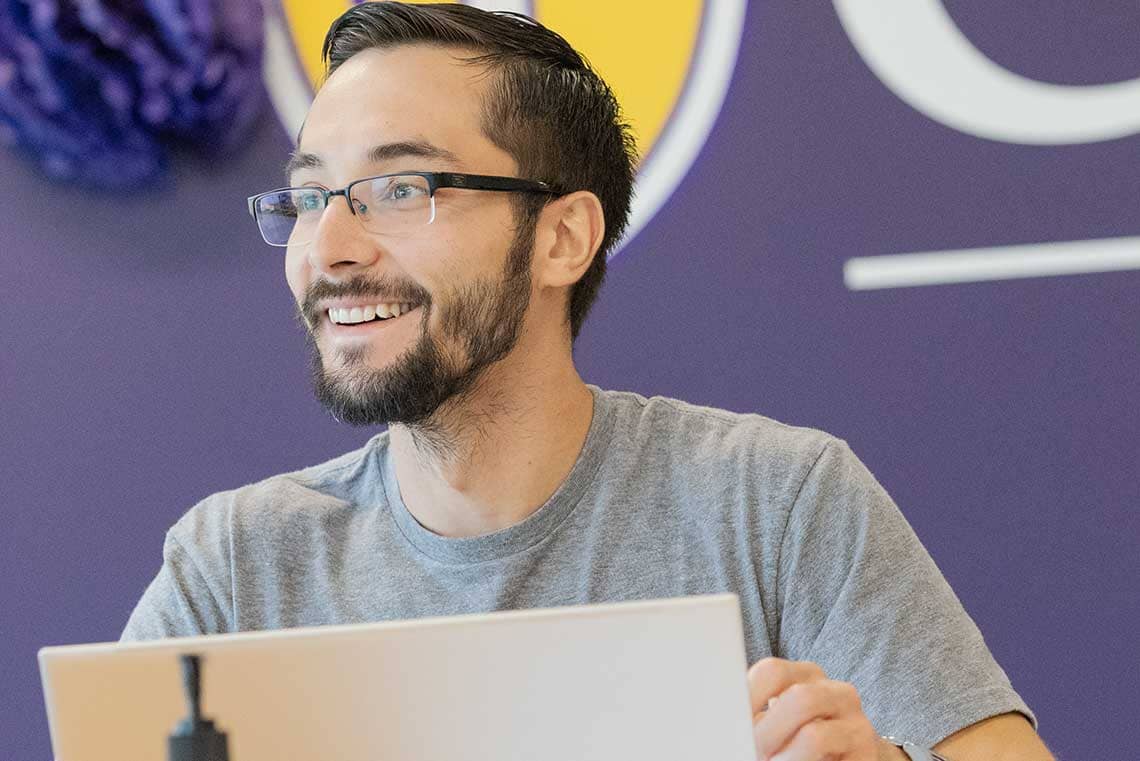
377 154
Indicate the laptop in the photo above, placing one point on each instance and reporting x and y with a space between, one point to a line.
662 680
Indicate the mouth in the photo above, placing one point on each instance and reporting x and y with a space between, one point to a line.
351 317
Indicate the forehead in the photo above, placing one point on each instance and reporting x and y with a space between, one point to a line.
412 93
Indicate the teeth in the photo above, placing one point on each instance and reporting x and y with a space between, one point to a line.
356 315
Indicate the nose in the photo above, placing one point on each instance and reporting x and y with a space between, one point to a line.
340 245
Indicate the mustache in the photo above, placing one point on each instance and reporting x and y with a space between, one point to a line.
386 288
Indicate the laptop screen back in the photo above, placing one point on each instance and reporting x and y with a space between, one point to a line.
662 680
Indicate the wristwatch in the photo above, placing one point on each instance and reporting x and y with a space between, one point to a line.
913 752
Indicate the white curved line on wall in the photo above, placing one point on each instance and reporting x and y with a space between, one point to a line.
694 115
919 53
289 88
515 6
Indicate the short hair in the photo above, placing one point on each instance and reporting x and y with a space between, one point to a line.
546 107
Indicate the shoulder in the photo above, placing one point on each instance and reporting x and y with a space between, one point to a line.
708 437
273 504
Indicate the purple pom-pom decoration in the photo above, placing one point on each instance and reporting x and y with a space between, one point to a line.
96 89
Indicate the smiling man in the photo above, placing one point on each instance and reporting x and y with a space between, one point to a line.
458 183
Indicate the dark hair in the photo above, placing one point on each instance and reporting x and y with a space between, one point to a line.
546 107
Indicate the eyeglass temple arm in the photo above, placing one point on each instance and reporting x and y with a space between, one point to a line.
487 182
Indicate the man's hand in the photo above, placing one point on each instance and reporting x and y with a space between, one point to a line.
812 719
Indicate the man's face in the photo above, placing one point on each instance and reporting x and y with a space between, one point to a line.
464 279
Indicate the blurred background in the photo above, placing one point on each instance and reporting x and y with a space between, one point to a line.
796 155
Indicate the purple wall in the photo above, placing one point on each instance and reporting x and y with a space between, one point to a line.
148 355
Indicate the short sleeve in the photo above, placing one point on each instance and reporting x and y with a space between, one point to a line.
189 595
859 595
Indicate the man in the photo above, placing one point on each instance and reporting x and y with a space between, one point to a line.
459 180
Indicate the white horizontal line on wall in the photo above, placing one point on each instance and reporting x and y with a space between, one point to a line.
972 265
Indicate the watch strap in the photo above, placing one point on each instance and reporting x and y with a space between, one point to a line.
914 752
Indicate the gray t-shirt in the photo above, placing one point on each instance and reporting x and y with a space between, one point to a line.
666 499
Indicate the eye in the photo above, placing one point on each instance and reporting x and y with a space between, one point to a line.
405 190
308 201
391 194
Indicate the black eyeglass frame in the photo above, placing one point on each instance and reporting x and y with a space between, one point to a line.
435 181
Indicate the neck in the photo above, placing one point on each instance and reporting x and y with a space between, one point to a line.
491 458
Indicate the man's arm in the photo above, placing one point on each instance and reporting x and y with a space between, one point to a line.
1009 737
858 594
799 714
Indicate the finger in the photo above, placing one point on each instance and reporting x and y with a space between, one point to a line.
771 676
799 707
820 740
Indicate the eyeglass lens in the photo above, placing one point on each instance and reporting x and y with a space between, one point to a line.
395 205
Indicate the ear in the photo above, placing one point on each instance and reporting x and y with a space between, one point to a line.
567 238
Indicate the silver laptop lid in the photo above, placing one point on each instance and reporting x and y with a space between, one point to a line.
662 680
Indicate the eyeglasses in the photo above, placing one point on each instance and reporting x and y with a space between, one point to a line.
390 204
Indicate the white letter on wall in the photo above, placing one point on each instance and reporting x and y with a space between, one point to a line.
918 52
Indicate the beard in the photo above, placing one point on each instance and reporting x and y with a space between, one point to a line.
480 323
